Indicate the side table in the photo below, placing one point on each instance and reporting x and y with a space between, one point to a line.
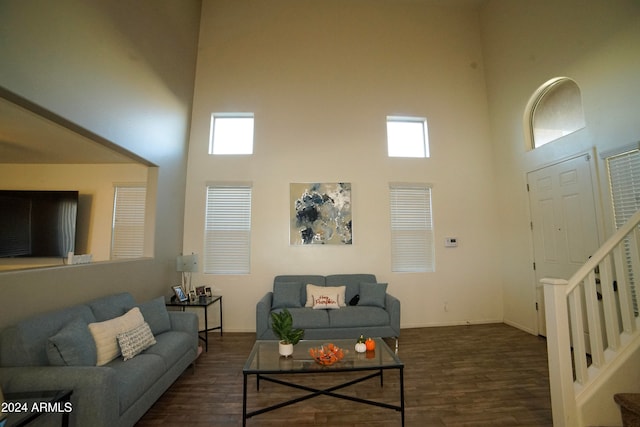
203 303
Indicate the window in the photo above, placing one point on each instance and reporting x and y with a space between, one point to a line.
228 229
127 229
231 133
412 242
555 110
407 137
624 181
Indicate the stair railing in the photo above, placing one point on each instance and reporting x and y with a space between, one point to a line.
573 366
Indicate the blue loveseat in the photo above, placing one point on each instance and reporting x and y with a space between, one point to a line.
59 350
365 309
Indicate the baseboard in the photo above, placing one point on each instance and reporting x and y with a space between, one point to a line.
455 323
521 327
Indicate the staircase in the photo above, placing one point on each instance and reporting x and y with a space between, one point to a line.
600 298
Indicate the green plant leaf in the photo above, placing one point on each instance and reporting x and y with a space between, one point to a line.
282 325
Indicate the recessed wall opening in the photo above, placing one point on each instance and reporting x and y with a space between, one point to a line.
554 110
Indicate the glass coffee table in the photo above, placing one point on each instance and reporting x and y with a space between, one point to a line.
265 363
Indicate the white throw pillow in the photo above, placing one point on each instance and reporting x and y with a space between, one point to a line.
325 301
105 334
326 290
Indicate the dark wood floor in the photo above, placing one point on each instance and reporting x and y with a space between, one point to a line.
479 375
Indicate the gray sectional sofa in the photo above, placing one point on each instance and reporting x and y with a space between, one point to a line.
376 313
60 350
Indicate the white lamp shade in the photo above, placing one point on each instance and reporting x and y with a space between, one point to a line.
187 263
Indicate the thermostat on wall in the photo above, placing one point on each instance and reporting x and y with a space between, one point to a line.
451 242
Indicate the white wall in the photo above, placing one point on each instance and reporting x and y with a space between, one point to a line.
123 70
321 78
526 43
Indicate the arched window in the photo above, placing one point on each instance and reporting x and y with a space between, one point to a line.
554 110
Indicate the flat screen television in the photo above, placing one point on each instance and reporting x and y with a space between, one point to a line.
37 223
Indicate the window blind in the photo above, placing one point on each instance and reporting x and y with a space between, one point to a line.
412 242
228 230
127 232
624 181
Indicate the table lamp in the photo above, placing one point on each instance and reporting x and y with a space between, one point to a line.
187 264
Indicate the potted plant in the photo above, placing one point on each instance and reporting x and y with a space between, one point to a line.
282 325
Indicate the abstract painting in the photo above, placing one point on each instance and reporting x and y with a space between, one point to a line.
321 214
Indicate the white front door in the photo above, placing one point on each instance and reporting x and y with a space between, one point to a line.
563 218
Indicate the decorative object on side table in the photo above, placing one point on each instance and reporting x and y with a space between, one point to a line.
282 325
202 296
180 295
327 354
187 264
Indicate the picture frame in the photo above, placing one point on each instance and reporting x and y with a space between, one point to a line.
181 296
192 295
200 290
207 292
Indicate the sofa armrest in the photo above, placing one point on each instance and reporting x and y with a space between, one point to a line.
95 390
263 308
392 305
185 321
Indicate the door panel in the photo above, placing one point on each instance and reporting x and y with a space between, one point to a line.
563 218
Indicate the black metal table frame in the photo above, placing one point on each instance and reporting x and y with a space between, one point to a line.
314 392
204 305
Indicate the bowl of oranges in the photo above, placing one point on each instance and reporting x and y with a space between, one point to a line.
327 354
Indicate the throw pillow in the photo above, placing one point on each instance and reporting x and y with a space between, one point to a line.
286 295
72 345
318 290
135 341
156 315
325 301
373 294
105 333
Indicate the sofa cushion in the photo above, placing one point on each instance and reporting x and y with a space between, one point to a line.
72 345
25 343
286 295
373 294
133 342
304 318
105 333
171 346
358 316
134 377
156 315
302 278
111 306
351 281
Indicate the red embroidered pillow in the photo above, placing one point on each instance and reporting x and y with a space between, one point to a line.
325 301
